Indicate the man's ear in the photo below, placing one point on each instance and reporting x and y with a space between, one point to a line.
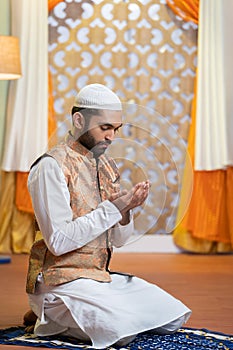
78 121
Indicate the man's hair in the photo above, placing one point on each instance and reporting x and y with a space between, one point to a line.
86 112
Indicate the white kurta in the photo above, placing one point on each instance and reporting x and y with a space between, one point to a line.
100 312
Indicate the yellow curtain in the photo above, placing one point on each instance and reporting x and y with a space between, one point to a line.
207 226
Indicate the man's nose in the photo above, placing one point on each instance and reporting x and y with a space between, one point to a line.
110 135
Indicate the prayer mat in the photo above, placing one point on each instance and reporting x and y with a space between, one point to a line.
183 339
5 259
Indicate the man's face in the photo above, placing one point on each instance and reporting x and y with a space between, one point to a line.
101 131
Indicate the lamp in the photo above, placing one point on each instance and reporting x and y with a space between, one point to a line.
10 67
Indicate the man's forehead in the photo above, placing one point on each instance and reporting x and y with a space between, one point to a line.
108 117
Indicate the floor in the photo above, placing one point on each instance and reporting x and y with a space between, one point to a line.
203 282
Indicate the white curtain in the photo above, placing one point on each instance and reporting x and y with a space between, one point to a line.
214 119
4 30
27 112
228 73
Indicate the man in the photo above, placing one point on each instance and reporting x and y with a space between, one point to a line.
82 213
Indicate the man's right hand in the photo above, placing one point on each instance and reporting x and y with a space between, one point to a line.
127 200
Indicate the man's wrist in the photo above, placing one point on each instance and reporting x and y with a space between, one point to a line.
125 218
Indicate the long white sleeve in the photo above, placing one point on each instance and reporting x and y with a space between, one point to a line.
121 234
51 203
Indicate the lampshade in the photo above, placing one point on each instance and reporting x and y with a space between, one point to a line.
10 67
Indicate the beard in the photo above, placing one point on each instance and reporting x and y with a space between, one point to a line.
89 142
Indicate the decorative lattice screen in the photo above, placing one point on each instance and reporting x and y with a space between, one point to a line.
148 57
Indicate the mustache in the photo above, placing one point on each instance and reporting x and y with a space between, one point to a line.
104 143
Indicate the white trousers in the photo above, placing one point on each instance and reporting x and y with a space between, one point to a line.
106 313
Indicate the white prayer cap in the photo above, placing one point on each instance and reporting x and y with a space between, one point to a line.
97 96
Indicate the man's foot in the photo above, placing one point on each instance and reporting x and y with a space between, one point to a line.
29 319
29 329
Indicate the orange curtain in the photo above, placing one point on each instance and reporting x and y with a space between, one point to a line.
208 223
186 9
210 211
52 4
207 226
22 197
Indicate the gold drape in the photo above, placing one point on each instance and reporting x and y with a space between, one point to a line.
208 224
16 229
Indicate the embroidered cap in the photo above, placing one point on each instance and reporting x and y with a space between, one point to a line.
97 96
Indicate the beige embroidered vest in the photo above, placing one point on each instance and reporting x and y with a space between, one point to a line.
87 190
